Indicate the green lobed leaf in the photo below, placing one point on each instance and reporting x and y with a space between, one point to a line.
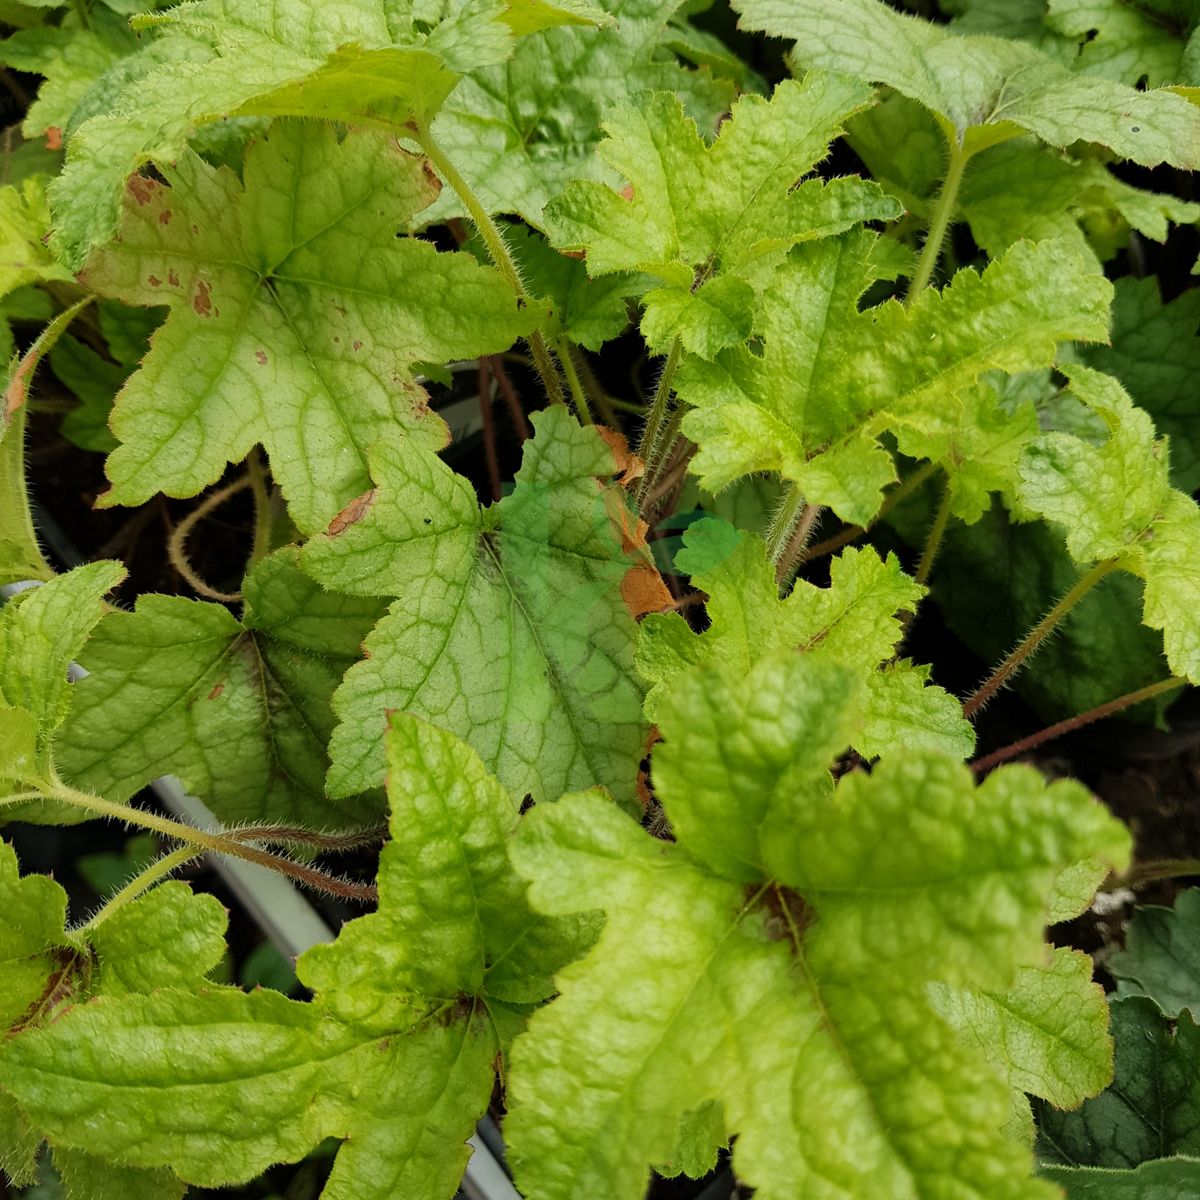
831 378
24 222
1114 501
1155 354
72 58
239 710
982 90
856 623
706 219
1161 958
220 1108
833 957
1049 1031
34 949
1152 1109
509 626
296 317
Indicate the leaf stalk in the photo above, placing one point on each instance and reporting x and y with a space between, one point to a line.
1038 634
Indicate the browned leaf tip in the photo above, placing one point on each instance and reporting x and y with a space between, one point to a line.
629 467
643 590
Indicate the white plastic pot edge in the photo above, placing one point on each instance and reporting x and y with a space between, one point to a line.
280 910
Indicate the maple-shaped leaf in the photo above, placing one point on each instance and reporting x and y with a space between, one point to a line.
818 914
239 710
1155 353
520 131
1152 1109
297 316
982 90
1115 502
510 625
41 631
707 221
1150 43
855 622
1161 958
830 378
395 1054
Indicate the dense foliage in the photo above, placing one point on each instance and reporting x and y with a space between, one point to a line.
684 855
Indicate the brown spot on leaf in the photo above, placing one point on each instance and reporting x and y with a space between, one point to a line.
216 691
173 277
154 281
579 254
356 345
627 192
202 301
261 356
352 513
164 217
142 189
54 138
643 590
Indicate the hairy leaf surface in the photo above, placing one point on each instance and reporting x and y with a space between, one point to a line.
239 710
395 1054
297 316
830 948
707 220
982 90
856 622
509 625
830 378
521 130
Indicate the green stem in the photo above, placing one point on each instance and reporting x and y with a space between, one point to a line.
793 550
1149 692
783 521
1152 872
933 543
943 213
143 881
1038 634
16 519
493 239
262 507
574 383
650 448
